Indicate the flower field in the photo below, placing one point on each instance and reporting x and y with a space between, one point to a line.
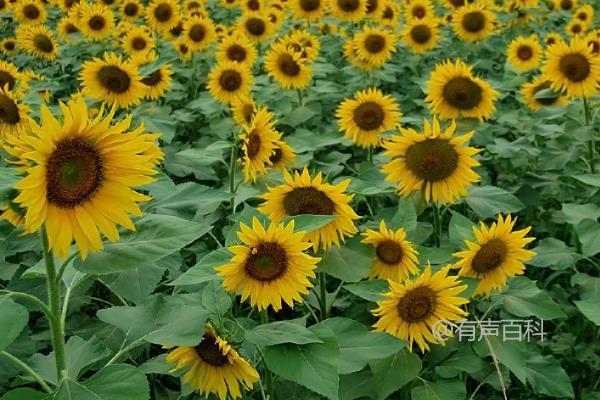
299 199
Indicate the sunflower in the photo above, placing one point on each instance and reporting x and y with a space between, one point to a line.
213 366
552 38
256 26
5 6
252 5
229 4
96 21
162 15
411 309
283 156
182 49
176 32
258 144
395 258
38 41
29 12
229 80
11 215
137 41
66 27
389 15
81 183
198 33
525 53
351 55
531 89
191 5
593 42
365 116
303 43
8 47
112 80
433 162
9 75
418 10
67 5
497 253
243 110
564 5
14 115
454 4
310 10
287 68
375 45
454 92
301 194
473 22
158 82
585 13
421 35
270 265
576 28
236 48
348 10
573 68
131 10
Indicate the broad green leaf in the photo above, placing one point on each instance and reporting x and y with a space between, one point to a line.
546 376
309 223
553 253
156 237
588 232
488 201
190 199
13 318
135 284
523 298
281 332
405 217
359 345
371 290
575 213
350 263
589 179
589 294
357 385
589 308
459 230
511 354
215 300
392 373
24 394
8 178
440 390
464 359
204 269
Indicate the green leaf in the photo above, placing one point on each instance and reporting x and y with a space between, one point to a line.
156 237
575 213
309 223
546 376
588 232
488 201
281 332
589 179
392 373
546 94
137 283
459 230
357 385
511 354
523 298
464 359
359 345
8 178
204 269
24 394
440 390
350 263
371 290
191 199
13 318
215 300
589 308
405 217
553 253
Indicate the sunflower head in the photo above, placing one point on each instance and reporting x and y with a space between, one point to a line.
421 35
38 41
525 53
287 67
198 32
258 143
375 45
29 12
162 15
256 26
530 92
96 21
131 10
348 10
158 82
14 115
8 47
473 22
228 81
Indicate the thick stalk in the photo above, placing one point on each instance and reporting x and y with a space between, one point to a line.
323 296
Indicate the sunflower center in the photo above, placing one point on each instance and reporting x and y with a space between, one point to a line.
348 5
208 350
374 43
582 16
31 12
108 2
253 146
310 5
197 33
545 101
193 5
462 93
432 160
490 256
10 46
288 65
163 12
70 3
96 23
575 67
307 200
566 4
9 112
420 34
256 26
253 5
388 13
594 44
183 48
230 80
457 3
176 30
131 9
266 262
235 52
417 304
372 5
70 28
389 252
576 28
276 156
139 43
369 116
152 79
473 21
418 12
550 41
114 79
74 172
524 53
43 43
7 79
247 112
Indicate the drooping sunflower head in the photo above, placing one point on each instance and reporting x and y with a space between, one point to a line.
453 92
38 41
162 15
497 253
301 194
530 92
213 366
112 80
525 53
96 21
573 68
421 35
348 10
364 117
433 162
258 144
270 265
310 10
131 10
138 41
375 45
158 82
287 67
419 9
411 308
83 174
14 115
29 12
198 32
236 48
473 22
228 81
8 47
256 26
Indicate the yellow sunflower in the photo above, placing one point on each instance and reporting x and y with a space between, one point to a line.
390 14
351 55
38 41
191 5
252 5
270 265
162 15
8 47
436 163
593 42
66 27
368 114
565 5
497 253
418 10
421 35
572 68
375 45
182 49
29 12
258 144
243 110
112 80
576 28
473 22
531 89
348 10
158 82
11 214
453 92
374 9
395 258
303 43
198 33
283 156
214 366
552 38
5 6
229 4
131 10
138 41
584 13
286 67
82 178
256 26
412 308
229 80
9 75
310 10
14 115
96 21
454 4
525 53
301 194
236 48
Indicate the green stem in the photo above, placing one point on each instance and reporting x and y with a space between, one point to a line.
264 317
592 142
299 97
232 188
437 225
371 155
323 296
61 271
30 298
20 364
56 326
